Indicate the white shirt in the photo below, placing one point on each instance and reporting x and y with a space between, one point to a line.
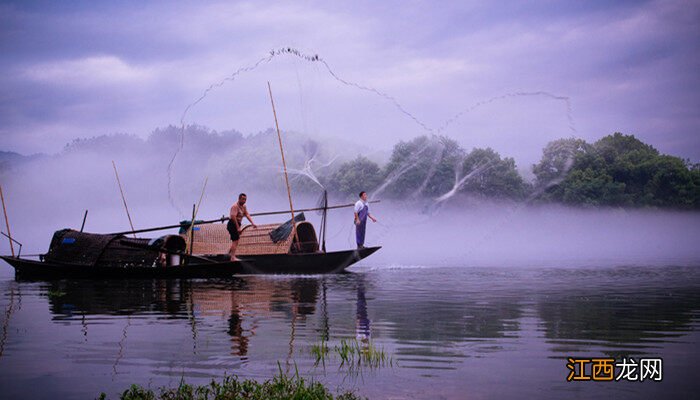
360 205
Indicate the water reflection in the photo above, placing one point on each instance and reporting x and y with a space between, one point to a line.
627 318
407 312
362 330
9 309
435 323
240 302
624 319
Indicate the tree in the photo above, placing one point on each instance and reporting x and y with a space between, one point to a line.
590 187
617 170
672 183
557 159
424 166
354 176
492 176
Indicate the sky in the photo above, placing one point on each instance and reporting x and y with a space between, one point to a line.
511 75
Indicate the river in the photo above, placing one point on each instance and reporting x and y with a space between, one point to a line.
448 332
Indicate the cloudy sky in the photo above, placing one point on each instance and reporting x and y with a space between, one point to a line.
78 69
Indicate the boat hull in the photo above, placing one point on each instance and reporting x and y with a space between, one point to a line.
25 268
305 263
308 263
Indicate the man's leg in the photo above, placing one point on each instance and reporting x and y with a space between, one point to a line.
232 252
360 234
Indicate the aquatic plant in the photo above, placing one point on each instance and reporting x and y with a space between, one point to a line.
55 293
353 354
357 354
320 351
281 386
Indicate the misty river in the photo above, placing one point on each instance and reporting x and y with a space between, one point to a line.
447 331
534 169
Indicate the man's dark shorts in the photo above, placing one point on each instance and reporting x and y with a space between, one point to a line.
231 228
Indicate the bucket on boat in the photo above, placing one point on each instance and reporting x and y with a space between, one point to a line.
170 250
173 260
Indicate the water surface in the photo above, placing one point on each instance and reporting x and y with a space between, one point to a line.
452 332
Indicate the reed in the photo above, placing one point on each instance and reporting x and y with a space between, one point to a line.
55 293
281 386
320 351
353 354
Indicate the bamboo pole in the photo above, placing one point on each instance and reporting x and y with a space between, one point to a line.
195 211
7 223
191 232
284 165
84 218
325 218
224 219
123 198
201 196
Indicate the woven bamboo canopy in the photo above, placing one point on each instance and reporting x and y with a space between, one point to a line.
214 239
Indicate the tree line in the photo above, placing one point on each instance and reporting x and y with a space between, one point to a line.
617 170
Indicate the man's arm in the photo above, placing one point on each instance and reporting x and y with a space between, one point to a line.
371 217
247 215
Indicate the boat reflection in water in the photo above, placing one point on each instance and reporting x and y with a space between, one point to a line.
267 309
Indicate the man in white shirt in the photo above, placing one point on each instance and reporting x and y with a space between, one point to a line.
361 214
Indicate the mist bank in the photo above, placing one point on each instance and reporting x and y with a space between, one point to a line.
476 233
495 234
45 193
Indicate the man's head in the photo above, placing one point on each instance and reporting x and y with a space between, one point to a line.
363 195
242 198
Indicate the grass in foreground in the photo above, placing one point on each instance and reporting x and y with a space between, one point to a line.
279 387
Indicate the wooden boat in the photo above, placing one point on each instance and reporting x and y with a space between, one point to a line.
259 254
74 254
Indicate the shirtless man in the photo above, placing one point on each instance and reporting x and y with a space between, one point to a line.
238 211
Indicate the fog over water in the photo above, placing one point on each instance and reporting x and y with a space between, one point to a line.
53 192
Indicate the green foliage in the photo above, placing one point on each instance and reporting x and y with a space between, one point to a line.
557 158
617 170
493 176
591 188
408 166
355 176
320 351
55 293
353 354
423 166
279 387
431 167
136 392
